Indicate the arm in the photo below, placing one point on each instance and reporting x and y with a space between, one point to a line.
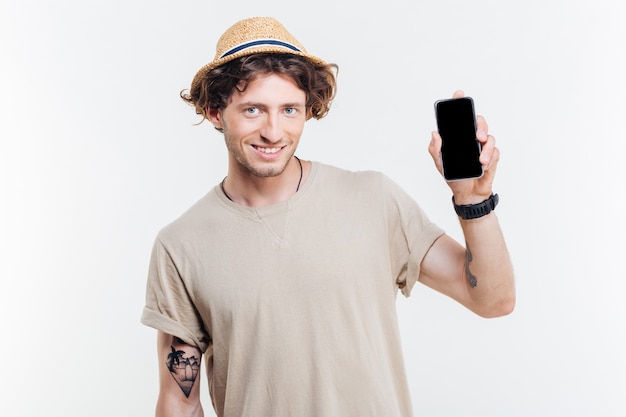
179 376
479 275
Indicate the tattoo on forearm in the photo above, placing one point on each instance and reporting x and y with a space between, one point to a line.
471 278
183 369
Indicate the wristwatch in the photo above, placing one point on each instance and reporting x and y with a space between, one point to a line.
474 211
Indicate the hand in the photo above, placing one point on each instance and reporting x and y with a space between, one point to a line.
474 190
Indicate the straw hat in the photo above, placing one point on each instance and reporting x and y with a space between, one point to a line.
252 36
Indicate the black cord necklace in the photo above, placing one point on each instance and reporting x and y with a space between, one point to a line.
297 188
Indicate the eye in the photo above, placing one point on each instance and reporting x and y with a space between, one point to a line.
252 110
291 111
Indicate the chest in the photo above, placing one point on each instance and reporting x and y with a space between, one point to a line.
273 271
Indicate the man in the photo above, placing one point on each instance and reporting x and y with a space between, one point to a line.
285 275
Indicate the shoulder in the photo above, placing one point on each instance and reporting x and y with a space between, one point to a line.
343 177
193 220
369 186
359 190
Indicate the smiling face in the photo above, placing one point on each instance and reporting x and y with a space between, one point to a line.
262 125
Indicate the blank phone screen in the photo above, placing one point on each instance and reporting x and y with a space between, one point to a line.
460 150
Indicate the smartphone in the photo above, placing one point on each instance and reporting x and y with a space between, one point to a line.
460 150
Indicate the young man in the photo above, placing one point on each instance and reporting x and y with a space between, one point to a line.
285 275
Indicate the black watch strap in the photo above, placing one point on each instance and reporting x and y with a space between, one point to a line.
474 211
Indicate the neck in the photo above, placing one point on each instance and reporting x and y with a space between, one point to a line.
249 190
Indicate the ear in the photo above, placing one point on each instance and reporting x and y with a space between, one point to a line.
215 117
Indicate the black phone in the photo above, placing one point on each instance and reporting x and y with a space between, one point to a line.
460 150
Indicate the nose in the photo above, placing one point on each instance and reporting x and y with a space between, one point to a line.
271 130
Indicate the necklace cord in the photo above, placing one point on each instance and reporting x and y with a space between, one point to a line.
297 188
301 170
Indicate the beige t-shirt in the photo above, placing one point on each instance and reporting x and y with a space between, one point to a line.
294 305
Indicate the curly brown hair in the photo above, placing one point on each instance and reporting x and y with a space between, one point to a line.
318 81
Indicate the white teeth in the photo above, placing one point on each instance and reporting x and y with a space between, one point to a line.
268 150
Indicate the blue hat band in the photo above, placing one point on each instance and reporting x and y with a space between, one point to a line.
261 42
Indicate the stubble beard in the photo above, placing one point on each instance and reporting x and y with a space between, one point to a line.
265 172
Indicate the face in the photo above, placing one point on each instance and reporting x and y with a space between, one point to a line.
262 125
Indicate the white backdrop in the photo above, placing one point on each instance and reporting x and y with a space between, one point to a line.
98 152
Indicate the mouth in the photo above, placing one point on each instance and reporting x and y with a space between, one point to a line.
267 150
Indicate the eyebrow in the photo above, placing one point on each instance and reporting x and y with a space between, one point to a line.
261 105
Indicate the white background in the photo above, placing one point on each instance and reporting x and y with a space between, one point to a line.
98 152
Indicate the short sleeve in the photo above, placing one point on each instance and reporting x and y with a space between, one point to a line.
411 234
169 307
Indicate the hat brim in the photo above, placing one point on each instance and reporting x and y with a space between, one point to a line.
265 49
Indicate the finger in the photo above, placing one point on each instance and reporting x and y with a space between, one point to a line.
458 94
434 148
487 152
482 128
493 163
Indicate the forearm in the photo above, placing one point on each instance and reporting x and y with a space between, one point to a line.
175 408
488 270
179 378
